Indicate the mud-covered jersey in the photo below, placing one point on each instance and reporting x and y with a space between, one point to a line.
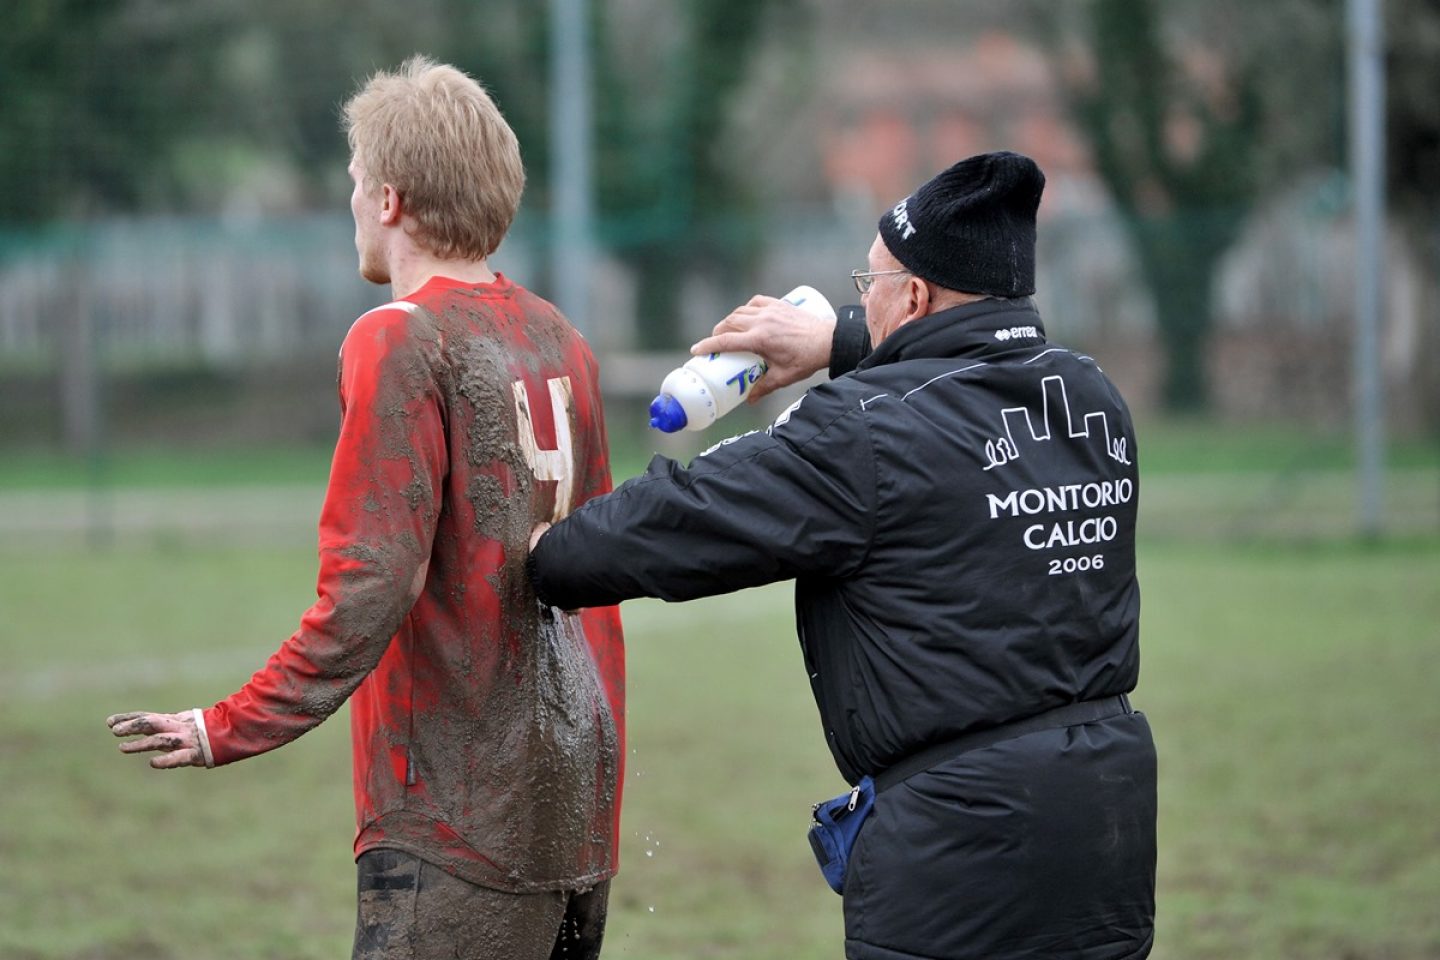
487 729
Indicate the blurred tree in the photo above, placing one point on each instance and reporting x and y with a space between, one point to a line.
1178 146
673 200
95 94
665 77
1412 33
1195 114
1412 62
117 106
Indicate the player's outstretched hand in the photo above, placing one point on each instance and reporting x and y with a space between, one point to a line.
794 342
173 734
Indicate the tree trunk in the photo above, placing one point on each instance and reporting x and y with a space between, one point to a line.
1178 255
660 272
1186 386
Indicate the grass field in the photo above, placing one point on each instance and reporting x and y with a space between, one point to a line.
1289 673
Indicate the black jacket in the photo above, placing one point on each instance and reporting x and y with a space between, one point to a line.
958 514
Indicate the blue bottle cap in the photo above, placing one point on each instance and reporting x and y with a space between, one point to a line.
666 414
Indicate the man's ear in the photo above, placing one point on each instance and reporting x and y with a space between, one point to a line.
917 304
389 205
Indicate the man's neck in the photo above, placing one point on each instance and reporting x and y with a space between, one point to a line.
413 269
942 299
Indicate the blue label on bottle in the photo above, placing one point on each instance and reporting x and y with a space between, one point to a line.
748 376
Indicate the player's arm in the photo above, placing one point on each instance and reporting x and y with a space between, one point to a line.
376 529
767 506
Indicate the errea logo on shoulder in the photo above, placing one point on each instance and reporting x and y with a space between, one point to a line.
1017 333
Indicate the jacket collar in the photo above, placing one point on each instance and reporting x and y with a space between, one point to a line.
971 330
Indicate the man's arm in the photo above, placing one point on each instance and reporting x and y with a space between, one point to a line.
766 506
795 343
376 530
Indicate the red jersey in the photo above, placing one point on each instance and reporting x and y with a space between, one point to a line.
488 731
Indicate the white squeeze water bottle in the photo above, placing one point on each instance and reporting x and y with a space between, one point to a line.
696 395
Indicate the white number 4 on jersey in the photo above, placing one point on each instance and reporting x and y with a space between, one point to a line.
557 464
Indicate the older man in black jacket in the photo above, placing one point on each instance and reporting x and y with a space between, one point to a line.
958 513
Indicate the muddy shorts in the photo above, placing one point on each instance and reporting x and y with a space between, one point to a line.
412 910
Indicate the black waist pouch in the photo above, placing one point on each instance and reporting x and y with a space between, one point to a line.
835 828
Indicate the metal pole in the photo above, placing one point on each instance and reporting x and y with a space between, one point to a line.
82 404
572 205
1367 162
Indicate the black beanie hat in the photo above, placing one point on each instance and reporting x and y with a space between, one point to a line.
971 228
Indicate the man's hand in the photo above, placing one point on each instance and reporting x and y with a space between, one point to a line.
794 342
174 734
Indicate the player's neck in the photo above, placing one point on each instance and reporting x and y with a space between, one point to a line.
412 269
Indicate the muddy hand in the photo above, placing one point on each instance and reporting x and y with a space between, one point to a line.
173 734
794 342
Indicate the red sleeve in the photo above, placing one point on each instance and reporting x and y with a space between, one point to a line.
376 529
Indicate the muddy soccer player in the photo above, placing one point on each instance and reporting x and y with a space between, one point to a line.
487 730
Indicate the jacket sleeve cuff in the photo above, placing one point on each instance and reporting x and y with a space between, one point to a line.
532 572
204 736
851 341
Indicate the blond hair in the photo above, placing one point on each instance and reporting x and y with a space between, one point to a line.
434 134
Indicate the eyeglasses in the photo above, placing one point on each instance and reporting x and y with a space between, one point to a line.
865 279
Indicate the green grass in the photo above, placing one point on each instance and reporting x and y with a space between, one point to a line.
1290 687
167 468
1201 445
1288 670
1299 776
1187 447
